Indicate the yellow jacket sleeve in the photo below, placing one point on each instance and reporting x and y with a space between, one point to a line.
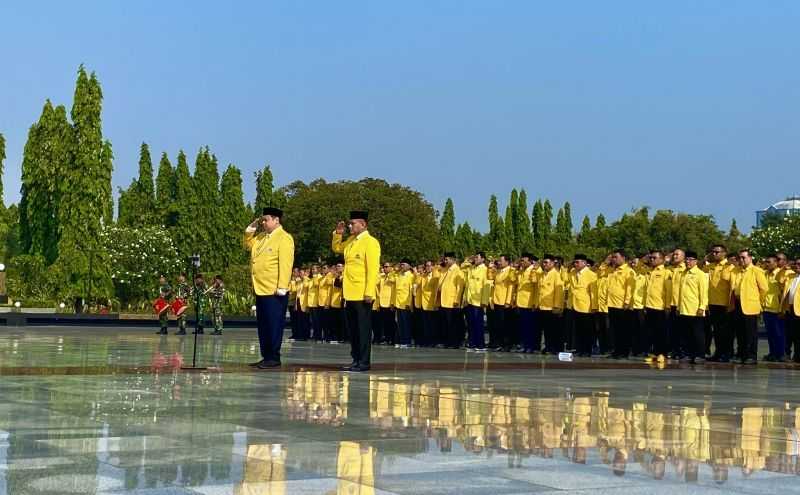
373 265
559 293
249 239
338 244
703 303
763 285
285 261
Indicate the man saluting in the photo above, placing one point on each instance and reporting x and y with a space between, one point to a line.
271 259
362 258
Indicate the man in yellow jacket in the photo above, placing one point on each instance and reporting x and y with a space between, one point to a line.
551 304
475 303
362 261
773 322
692 305
749 288
429 305
403 294
527 279
621 284
657 304
719 298
450 293
791 308
501 303
582 295
271 260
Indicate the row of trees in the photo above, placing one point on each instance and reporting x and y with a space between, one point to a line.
636 232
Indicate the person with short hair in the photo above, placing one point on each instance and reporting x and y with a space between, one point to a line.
719 271
271 261
529 331
657 305
403 302
749 287
621 284
692 304
773 322
551 304
791 308
362 254
450 293
582 294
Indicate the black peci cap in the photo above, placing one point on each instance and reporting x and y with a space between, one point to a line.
273 212
579 257
359 215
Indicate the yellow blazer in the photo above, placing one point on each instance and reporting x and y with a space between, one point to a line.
750 286
271 260
582 290
362 261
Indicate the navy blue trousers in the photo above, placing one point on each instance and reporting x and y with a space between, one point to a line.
271 316
475 327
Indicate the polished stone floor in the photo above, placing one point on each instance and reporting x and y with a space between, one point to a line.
108 410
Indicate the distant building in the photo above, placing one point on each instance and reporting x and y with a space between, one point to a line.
789 206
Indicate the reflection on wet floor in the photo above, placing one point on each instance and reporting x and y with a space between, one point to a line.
155 429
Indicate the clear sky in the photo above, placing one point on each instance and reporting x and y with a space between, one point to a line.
689 105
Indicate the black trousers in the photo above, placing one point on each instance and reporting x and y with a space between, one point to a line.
388 325
604 340
620 322
694 331
746 334
404 326
568 335
360 325
640 336
793 332
655 320
551 325
498 331
720 333
334 324
675 333
584 331
512 335
452 327
431 330
316 323
271 317
418 327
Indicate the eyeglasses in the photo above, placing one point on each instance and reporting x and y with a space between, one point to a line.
744 257
717 251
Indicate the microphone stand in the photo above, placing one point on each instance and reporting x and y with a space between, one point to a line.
194 367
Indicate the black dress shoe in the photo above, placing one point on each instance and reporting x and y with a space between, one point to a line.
350 366
360 368
256 363
182 332
269 364
163 331
750 361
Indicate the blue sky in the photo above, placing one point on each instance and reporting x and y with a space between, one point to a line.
688 105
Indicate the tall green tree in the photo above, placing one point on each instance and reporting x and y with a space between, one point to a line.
547 225
206 209
586 227
235 217
496 236
264 189
511 224
48 154
537 222
523 228
467 241
85 197
137 205
447 226
184 228
563 230
2 159
165 192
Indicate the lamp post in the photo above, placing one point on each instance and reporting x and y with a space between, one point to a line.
195 259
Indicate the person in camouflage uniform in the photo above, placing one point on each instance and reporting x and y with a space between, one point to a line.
184 292
200 300
165 292
217 292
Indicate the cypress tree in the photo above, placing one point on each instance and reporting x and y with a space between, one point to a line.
144 194
447 226
568 219
264 189
563 232
206 208
600 222
165 192
586 227
235 216
511 224
182 208
537 222
495 225
524 235
2 159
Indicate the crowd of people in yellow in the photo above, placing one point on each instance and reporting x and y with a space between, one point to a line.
657 306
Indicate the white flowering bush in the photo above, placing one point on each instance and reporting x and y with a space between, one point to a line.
782 236
138 257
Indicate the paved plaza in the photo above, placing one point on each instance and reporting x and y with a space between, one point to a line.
108 411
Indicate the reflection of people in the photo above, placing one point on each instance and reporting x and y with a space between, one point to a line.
264 471
271 258
355 469
362 254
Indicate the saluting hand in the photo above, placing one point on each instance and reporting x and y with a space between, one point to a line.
340 227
